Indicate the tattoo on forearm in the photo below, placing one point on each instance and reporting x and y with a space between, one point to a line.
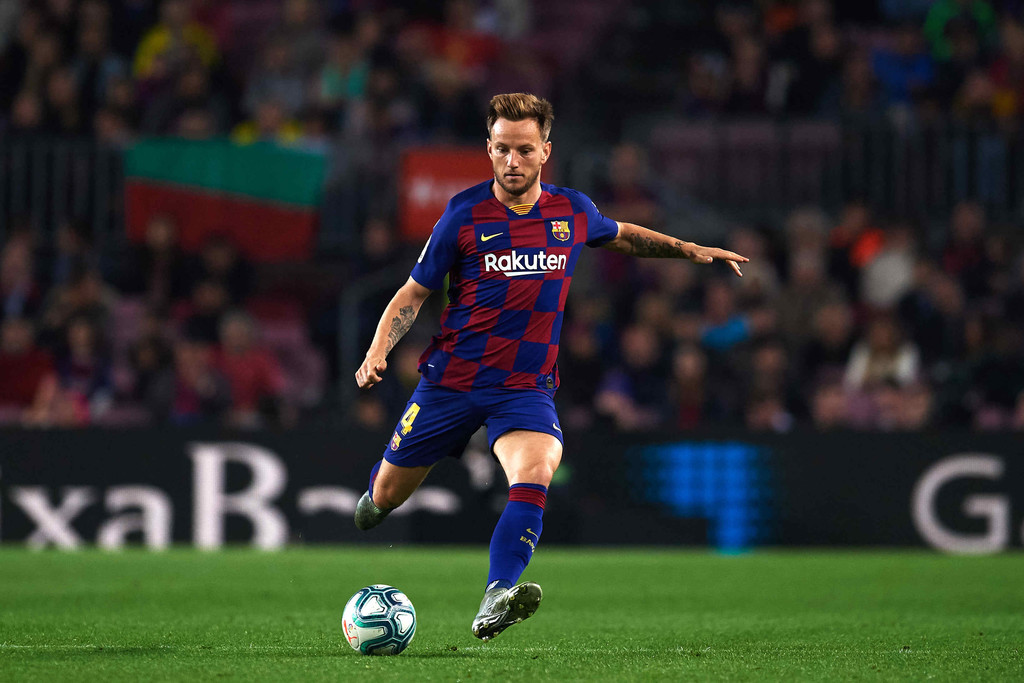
644 245
400 324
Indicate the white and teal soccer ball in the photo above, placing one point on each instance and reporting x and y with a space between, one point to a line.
379 620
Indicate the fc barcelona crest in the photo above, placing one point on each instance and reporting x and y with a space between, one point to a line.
396 440
560 229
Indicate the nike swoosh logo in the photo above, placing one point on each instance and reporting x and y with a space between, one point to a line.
532 533
556 427
484 238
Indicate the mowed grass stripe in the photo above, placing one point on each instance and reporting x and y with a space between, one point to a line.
611 614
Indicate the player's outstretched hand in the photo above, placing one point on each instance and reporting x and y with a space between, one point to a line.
369 373
708 254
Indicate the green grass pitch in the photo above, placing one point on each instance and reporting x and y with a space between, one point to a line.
608 614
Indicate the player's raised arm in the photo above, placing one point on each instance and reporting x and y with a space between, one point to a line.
639 241
398 317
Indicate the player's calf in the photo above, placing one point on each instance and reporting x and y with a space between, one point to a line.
368 515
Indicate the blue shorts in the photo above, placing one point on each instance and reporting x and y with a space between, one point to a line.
439 422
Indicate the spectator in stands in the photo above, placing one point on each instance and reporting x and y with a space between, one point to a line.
890 274
270 124
342 78
446 104
27 113
973 101
23 365
627 189
156 268
254 375
278 79
190 92
695 401
1007 72
816 72
20 295
857 94
916 407
71 253
83 367
993 382
906 71
461 40
724 326
85 295
193 391
853 244
44 57
65 115
171 44
706 86
760 282
770 375
965 256
151 355
806 292
824 357
828 406
220 260
767 412
111 129
580 358
380 246
80 388
979 13
302 32
934 313
210 300
749 93
370 412
634 393
95 66
14 57
882 356
965 59
121 98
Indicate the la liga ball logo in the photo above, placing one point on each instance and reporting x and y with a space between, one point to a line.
560 229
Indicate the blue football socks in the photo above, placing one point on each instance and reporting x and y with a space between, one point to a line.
373 478
516 534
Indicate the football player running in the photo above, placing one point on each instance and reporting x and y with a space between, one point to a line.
509 246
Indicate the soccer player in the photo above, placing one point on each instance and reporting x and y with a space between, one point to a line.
509 246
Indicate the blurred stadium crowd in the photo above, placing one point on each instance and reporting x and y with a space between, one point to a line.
849 320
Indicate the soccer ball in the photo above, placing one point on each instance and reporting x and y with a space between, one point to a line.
379 620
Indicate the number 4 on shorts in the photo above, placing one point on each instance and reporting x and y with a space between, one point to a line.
409 418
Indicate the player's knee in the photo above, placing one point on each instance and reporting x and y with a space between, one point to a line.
536 473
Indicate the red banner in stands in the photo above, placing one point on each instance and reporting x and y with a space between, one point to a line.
430 177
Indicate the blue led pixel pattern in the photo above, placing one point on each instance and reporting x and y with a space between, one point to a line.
727 483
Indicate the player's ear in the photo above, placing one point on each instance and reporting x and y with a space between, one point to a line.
547 151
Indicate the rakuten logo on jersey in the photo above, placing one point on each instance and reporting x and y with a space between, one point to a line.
519 263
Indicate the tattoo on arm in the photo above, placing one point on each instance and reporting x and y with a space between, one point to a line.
400 324
644 245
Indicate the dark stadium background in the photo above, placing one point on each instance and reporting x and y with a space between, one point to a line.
222 196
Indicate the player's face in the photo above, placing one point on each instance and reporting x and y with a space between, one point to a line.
517 154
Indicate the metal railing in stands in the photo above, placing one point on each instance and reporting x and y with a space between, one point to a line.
46 180
751 168
760 167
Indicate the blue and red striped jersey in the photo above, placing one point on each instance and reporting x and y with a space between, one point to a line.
509 279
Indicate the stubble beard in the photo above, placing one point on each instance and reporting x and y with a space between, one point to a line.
528 182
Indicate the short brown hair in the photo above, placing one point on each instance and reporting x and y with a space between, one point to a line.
518 106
